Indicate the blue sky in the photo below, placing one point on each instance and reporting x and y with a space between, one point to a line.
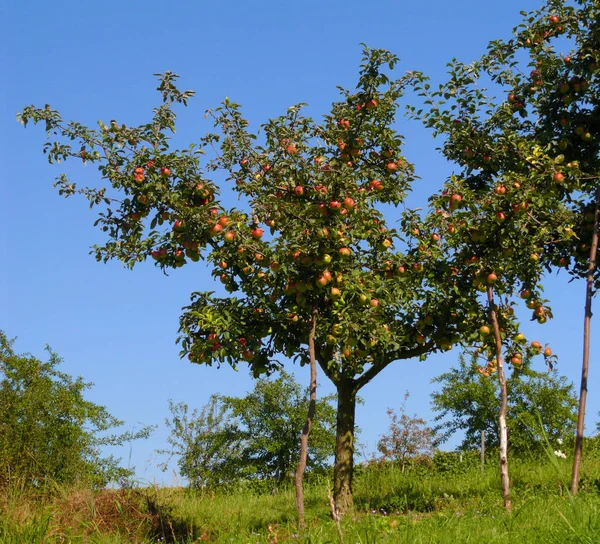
96 61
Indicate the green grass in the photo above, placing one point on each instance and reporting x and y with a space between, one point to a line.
416 507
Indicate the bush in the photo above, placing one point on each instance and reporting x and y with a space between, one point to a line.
49 433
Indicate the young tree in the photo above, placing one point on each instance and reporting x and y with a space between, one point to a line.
552 131
409 436
330 262
562 90
208 452
468 402
312 407
48 431
487 220
253 437
266 423
507 212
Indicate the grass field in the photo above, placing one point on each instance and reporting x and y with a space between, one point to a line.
419 506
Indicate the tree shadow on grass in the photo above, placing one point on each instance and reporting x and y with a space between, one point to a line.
171 528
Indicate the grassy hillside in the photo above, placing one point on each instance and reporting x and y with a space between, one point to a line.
422 505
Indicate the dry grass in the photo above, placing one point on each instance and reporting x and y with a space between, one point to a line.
78 515
108 511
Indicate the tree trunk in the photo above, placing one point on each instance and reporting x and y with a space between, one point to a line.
344 451
482 453
503 402
589 292
307 426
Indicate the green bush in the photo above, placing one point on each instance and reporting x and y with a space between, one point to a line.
49 433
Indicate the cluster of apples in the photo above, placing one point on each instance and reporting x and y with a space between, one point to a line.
540 312
552 28
356 347
205 345
140 172
515 357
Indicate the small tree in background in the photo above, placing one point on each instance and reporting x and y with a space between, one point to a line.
468 402
49 433
203 442
267 421
252 437
408 437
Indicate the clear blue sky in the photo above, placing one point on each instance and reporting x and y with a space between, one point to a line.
95 61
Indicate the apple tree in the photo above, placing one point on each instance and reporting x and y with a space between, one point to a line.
552 67
314 271
500 216
548 75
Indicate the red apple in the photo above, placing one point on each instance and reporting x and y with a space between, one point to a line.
455 201
257 233
216 229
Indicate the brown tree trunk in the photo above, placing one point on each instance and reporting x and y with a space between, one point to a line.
307 426
503 402
589 292
344 451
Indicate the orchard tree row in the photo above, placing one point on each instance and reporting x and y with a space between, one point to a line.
316 272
